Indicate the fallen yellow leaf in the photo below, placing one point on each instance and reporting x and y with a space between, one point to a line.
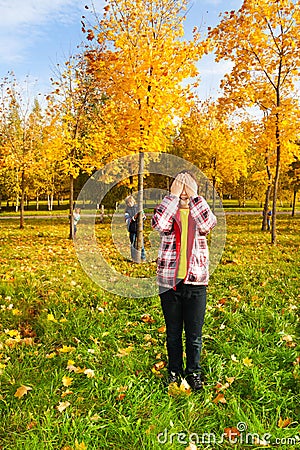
67 381
247 362
51 318
66 349
89 373
283 423
22 390
81 446
62 406
191 446
220 398
159 365
125 351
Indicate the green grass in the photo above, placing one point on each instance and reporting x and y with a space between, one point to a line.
51 313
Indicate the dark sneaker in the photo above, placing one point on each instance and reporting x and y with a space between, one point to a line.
194 381
174 378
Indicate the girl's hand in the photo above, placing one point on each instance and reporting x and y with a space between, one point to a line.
190 186
178 184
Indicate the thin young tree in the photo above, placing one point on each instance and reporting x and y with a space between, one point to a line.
74 104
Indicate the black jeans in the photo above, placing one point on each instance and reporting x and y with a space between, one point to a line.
184 308
133 237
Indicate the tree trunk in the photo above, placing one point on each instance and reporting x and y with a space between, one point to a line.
267 198
140 237
22 200
71 217
50 202
37 202
276 180
294 202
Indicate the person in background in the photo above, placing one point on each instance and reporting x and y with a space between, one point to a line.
183 220
76 218
269 215
131 215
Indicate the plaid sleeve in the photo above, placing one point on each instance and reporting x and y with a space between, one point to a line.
202 215
164 214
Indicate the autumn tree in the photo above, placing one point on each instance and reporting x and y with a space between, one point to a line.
21 135
75 104
215 144
262 40
140 57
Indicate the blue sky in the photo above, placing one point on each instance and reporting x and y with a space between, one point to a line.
35 35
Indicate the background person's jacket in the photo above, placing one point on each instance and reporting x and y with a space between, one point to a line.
131 223
166 220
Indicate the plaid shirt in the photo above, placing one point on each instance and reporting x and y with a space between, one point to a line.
166 220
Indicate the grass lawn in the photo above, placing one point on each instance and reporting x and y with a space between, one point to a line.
77 363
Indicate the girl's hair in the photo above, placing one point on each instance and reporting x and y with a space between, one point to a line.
129 200
188 172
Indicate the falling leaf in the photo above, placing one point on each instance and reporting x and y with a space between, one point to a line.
62 406
161 329
67 381
283 423
220 398
22 390
120 397
247 362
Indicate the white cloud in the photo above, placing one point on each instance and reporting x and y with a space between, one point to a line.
19 12
24 22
